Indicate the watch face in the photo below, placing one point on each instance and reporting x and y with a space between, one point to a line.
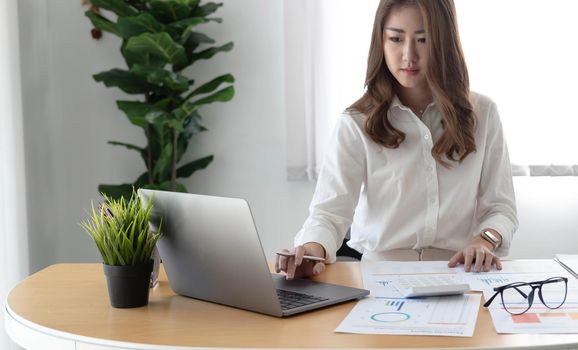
488 236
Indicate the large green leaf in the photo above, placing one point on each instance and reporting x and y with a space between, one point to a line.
207 9
189 107
212 85
169 82
135 25
189 168
193 124
142 180
167 186
179 29
182 144
136 111
120 7
148 59
160 45
188 22
102 23
199 38
191 40
171 10
162 168
127 145
175 124
116 191
191 3
210 52
128 82
165 103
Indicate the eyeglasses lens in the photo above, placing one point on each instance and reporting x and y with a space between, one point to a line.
554 292
517 299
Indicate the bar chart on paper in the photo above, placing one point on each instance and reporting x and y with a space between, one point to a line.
444 316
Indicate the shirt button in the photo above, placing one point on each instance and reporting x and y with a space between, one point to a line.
426 137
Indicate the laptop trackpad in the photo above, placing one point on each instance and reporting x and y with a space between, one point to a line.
326 290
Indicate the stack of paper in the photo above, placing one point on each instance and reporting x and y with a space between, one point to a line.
387 312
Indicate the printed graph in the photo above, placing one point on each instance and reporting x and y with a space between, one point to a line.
383 283
391 316
425 316
494 281
398 304
544 317
539 319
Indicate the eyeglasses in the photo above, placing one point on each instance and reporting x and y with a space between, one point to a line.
518 297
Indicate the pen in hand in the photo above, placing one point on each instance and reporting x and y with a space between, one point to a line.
305 257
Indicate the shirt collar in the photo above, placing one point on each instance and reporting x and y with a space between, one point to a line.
396 102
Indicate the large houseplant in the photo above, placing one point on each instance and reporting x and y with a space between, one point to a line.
120 229
159 41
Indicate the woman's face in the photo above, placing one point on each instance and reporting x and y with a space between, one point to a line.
405 47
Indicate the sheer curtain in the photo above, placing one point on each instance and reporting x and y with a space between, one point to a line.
326 43
519 52
13 235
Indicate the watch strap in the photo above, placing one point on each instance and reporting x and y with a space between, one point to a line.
491 238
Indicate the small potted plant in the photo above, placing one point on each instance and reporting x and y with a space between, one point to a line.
120 229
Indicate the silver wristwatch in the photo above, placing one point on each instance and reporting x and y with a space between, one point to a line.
490 237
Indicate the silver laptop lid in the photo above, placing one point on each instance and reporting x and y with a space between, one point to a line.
211 250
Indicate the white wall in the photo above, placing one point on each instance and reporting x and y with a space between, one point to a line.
548 215
69 118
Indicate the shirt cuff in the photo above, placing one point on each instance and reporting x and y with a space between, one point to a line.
322 237
504 227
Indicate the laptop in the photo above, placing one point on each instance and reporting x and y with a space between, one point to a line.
211 251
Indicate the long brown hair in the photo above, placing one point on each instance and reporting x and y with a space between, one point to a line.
447 76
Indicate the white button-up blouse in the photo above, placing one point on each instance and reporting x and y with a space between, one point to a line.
402 198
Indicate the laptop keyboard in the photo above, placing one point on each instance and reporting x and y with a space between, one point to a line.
290 300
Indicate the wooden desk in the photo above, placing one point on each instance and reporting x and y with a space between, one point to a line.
66 307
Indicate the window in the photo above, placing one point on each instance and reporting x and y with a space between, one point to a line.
521 53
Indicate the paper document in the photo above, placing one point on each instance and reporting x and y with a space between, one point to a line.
441 316
538 320
380 277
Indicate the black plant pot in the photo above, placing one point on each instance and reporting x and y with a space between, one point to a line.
128 286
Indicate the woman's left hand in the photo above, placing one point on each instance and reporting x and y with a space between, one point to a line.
479 254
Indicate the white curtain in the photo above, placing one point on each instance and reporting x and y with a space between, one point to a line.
526 67
326 42
13 235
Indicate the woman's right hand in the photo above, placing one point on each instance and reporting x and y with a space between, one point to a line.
296 267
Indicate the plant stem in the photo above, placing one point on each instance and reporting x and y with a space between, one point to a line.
149 148
149 155
174 162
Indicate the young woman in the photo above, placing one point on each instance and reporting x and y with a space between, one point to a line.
418 167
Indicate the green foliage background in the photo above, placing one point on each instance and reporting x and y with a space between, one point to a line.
159 41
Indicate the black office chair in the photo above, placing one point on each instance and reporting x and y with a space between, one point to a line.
345 252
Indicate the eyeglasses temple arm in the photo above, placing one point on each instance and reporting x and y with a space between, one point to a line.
491 299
